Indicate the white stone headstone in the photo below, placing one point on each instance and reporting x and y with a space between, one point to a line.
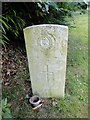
46 47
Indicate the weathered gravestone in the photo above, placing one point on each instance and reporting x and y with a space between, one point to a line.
46 47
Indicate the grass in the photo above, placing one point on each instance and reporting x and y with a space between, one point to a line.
77 69
75 103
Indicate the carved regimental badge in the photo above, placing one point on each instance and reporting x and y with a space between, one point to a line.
46 41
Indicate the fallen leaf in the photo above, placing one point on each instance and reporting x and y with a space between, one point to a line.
54 103
8 72
7 83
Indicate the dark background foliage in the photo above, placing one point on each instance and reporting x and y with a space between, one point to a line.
16 16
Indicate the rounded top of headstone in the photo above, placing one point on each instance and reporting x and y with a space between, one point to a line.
46 25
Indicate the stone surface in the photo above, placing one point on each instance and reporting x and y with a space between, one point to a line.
46 47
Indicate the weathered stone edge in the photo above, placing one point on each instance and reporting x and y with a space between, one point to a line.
44 25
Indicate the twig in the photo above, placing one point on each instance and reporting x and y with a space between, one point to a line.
37 107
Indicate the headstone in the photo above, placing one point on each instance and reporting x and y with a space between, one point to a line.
46 47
